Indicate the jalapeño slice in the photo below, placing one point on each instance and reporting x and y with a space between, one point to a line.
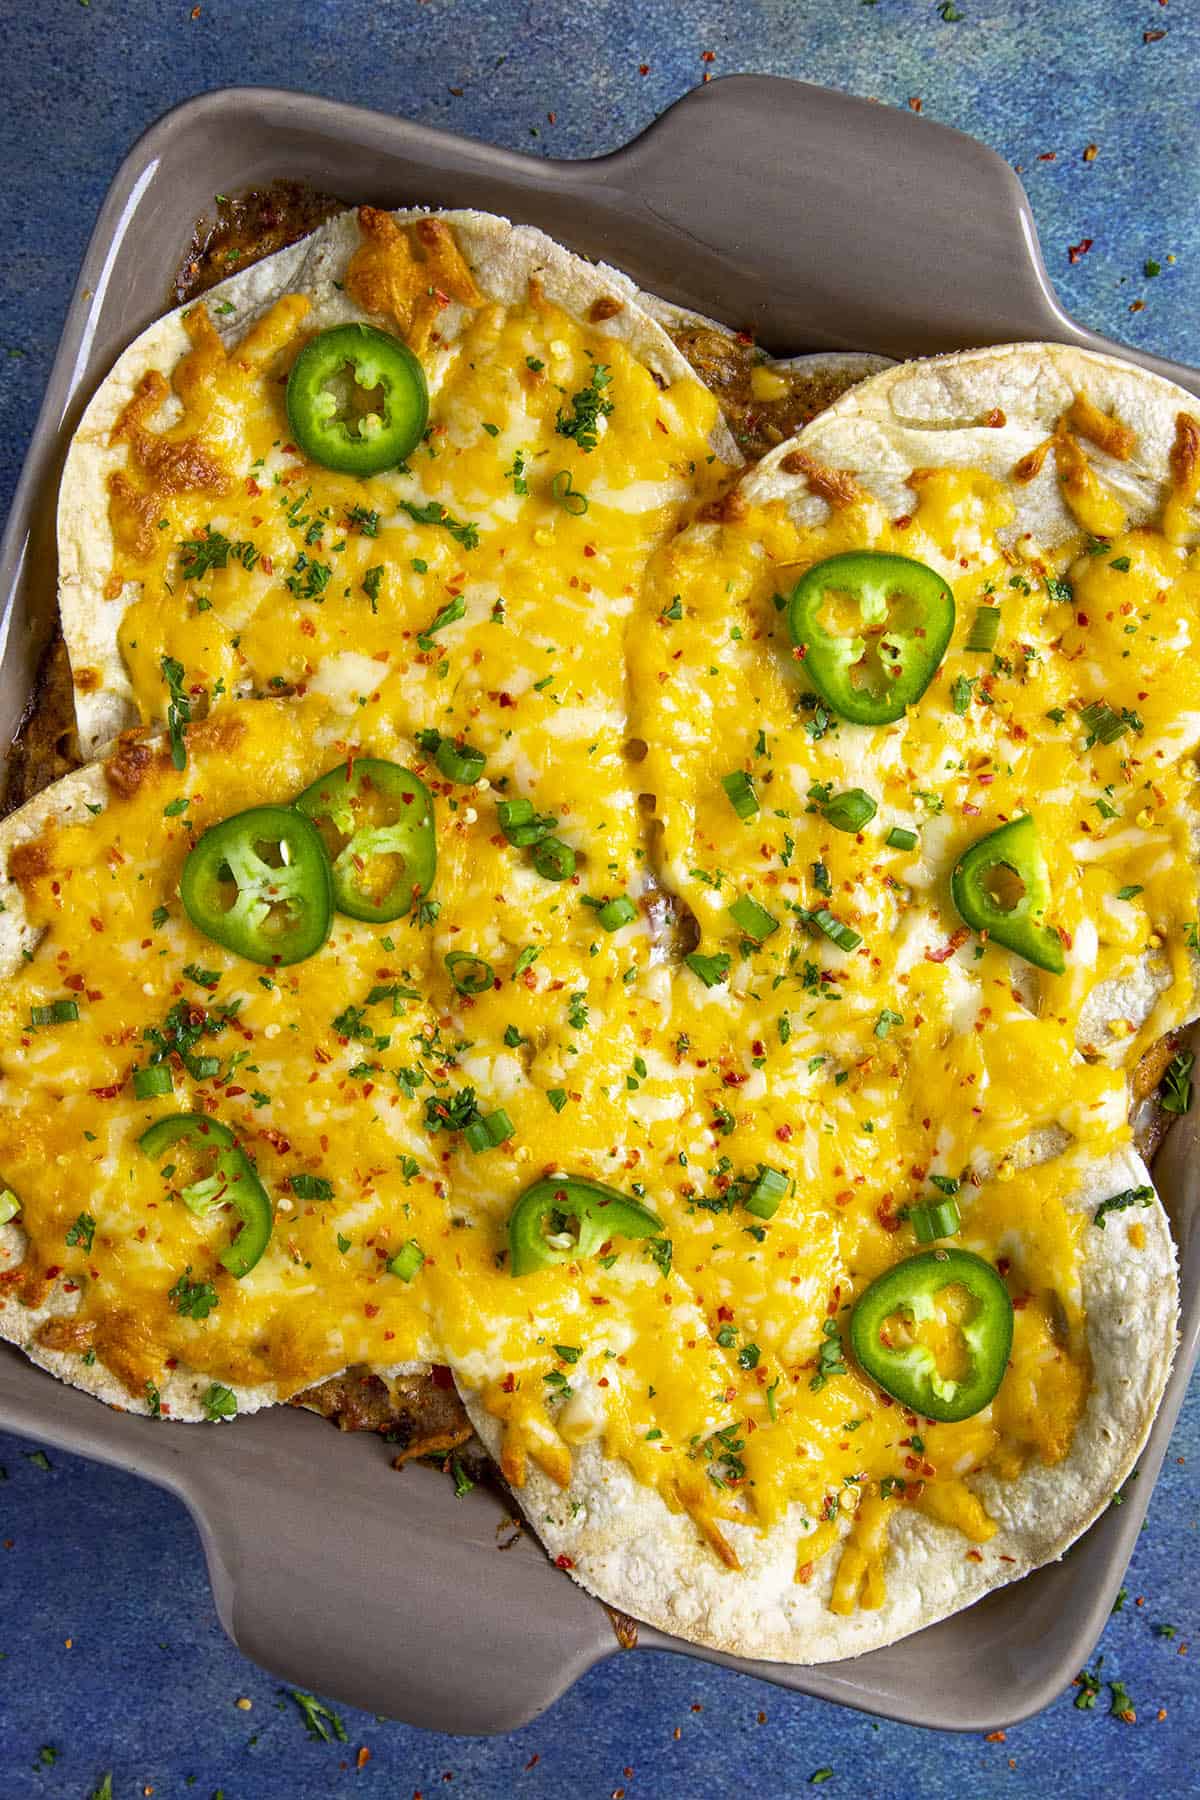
376 822
357 400
871 630
224 1176
539 1227
1001 886
886 1333
260 884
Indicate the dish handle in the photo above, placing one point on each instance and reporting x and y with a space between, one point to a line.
329 1575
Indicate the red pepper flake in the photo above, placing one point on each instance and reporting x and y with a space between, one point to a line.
643 68
564 1562
370 1310
1153 37
509 1384
996 1737
784 1134
974 1556
956 942
107 1093
1137 306
1076 252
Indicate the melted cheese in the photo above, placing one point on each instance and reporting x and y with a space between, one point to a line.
718 1374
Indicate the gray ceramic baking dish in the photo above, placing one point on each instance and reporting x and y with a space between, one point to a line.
761 202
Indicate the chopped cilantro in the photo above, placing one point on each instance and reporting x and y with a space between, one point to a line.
218 1403
193 1299
588 407
82 1232
436 514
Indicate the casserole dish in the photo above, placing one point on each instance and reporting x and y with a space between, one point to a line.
468 1640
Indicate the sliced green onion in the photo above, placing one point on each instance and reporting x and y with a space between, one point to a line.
469 973
615 913
834 930
768 1190
59 1012
149 1084
985 629
521 824
900 838
742 796
487 1133
752 919
459 762
514 812
569 498
711 970
850 811
1102 724
10 1206
554 860
499 1126
941 1221
407 1261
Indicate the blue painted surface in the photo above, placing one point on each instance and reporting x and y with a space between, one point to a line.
149 1686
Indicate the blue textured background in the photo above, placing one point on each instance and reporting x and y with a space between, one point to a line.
110 1654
